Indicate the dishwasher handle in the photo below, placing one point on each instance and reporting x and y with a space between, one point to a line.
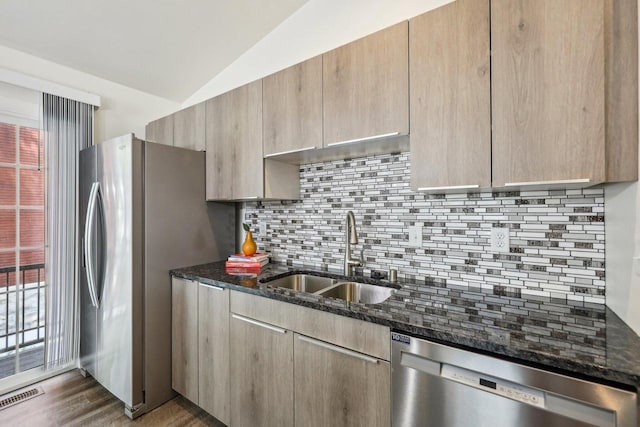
421 364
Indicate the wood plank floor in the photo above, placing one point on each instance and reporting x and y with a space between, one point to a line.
71 400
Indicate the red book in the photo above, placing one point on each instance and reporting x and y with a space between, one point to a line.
260 256
244 265
249 264
243 272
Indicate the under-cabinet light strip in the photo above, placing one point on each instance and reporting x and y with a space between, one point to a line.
449 187
282 153
367 138
560 181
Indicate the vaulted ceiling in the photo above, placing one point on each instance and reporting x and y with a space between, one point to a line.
168 48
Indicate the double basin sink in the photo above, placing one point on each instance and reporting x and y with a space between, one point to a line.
349 291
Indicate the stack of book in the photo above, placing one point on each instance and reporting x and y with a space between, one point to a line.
250 264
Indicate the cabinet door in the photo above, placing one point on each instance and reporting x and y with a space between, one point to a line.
188 127
160 131
366 86
292 108
262 374
213 351
547 90
235 168
184 338
450 96
339 387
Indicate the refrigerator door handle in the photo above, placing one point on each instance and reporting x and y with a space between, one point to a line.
98 282
82 251
88 240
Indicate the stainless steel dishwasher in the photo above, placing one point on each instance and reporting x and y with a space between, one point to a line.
437 385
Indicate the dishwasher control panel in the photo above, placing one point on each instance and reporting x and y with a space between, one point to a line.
493 385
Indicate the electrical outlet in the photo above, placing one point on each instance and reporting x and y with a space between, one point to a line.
499 239
415 236
262 229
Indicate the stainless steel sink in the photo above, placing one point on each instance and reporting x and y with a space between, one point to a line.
333 288
303 282
358 292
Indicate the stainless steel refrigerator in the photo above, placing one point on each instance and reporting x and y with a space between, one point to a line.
142 213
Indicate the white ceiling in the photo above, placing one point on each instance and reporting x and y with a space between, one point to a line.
169 48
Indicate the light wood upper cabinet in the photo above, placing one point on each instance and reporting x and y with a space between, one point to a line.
234 144
328 378
555 64
184 128
366 86
557 105
292 108
450 96
189 128
184 338
262 374
213 351
160 131
235 166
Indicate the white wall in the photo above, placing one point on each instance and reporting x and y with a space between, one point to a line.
622 240
622 246
123 109
317 27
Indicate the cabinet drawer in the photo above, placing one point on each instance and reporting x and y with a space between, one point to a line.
354 334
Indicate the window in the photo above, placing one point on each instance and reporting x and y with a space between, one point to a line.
22 244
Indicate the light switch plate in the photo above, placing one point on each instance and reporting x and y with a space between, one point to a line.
500 239
262 229
415 236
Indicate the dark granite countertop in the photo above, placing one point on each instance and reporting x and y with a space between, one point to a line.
585 340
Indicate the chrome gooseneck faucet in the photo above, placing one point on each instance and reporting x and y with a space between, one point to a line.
351 238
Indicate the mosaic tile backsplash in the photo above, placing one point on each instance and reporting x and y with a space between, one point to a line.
557 245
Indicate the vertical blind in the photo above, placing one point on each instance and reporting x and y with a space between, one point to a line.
67 129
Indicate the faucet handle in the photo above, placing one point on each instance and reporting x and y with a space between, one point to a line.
361 257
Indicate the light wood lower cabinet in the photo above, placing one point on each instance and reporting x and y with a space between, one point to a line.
334 386
358 335
184 338
254 361
322 383
262 374
200 345
213 351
